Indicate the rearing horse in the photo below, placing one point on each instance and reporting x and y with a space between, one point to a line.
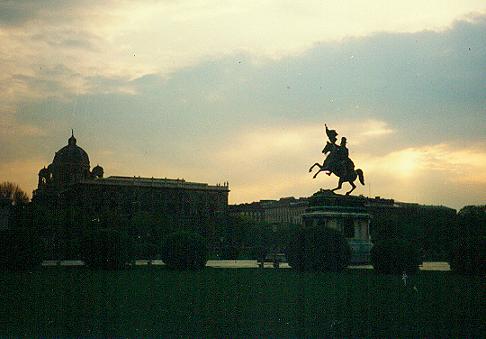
325 165
345 175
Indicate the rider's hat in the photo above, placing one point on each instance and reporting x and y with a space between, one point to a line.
331 134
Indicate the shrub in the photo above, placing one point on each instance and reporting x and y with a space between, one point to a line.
259 252
184 250
318 249
20 249
468 256
107 249
230 252
145 250
395 256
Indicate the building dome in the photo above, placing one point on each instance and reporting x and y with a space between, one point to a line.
71 154
70 165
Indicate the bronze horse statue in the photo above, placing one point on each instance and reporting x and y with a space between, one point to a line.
345 174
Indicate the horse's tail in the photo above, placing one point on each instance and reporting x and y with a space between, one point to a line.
360 175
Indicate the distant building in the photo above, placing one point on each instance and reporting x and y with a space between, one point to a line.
285 210
290 209
253 211
361 219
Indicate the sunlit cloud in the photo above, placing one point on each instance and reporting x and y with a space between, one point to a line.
376 128
457 165
429 172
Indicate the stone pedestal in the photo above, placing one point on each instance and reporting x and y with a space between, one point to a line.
346 214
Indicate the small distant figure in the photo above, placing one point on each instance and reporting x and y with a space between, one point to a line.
404 278
261 258
276 262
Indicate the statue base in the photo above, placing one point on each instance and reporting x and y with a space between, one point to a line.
345 213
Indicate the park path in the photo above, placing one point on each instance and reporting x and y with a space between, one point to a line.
427 266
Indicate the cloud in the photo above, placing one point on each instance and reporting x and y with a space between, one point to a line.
18 12
376 128
10 127
15 14
122 38
459 165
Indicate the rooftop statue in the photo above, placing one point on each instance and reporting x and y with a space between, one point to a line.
338 162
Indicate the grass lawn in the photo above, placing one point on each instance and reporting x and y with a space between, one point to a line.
154 301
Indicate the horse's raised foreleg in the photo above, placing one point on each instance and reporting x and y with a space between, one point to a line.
319 171
312 167
352 189
340 185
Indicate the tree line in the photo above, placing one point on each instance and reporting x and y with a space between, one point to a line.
433 231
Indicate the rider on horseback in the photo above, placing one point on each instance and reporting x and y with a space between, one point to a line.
338 162
342 158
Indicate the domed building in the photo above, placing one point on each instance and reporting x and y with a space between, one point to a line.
69 166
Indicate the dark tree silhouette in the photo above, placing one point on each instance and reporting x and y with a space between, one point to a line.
13 192
472 222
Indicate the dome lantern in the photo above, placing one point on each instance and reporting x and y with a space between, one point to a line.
72 139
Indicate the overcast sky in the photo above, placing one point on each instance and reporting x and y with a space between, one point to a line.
239 91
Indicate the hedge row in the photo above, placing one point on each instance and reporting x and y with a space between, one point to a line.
21 249
311 249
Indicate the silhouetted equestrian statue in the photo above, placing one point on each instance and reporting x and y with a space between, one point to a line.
338 162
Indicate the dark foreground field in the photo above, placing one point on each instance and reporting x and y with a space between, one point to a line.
238 302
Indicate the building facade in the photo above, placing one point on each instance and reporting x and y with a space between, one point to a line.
285 210
178 200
